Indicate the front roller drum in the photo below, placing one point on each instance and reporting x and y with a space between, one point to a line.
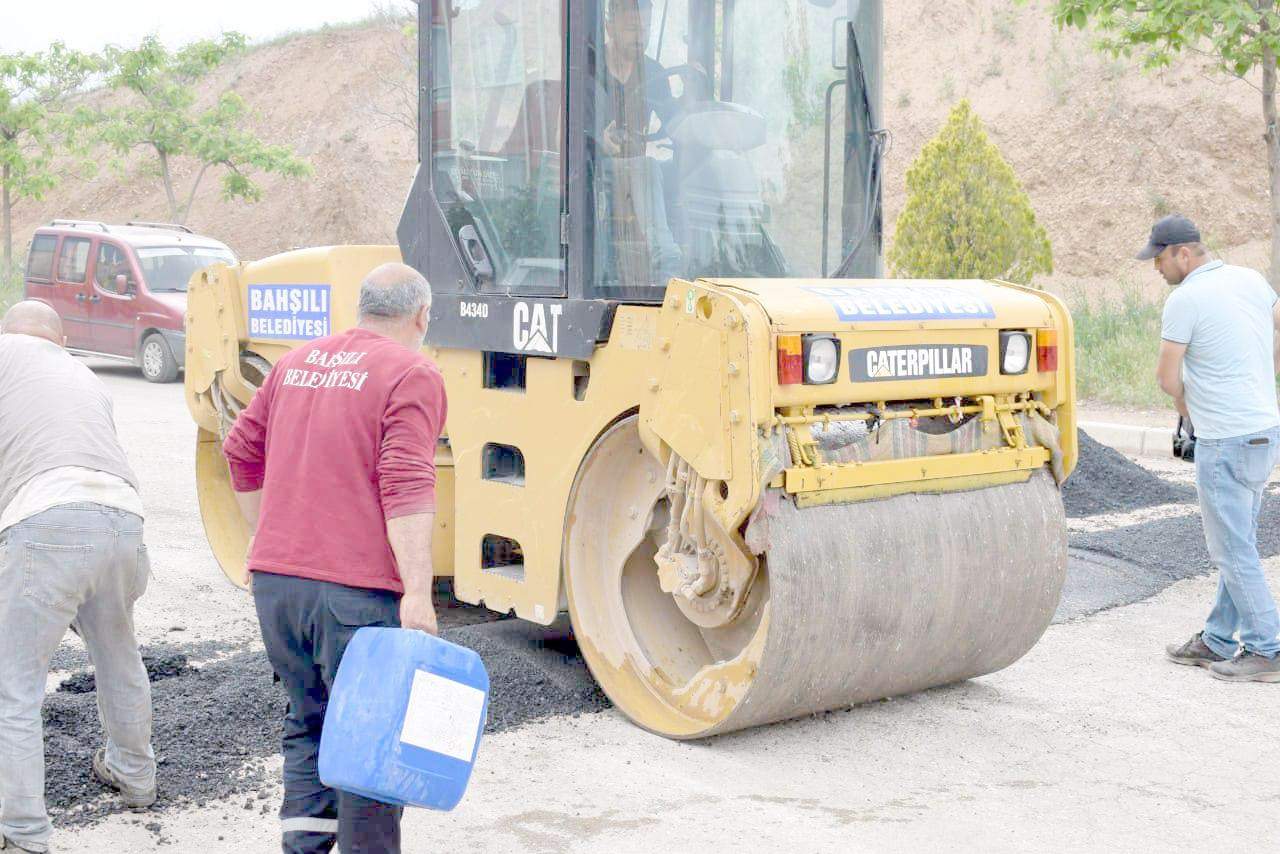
853 602
224 525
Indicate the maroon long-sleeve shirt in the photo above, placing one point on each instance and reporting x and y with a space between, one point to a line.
340 438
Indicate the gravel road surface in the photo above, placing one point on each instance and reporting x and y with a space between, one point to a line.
1086 739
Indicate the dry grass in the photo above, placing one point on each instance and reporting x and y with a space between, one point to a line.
1117 340
10 285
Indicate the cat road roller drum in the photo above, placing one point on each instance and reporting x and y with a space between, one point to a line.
685 408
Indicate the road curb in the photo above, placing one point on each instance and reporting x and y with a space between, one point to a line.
1128 439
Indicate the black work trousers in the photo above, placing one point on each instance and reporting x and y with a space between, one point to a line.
306 626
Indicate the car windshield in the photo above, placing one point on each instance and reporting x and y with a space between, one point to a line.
169 268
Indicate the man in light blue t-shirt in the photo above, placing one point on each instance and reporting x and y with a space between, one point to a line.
1218 361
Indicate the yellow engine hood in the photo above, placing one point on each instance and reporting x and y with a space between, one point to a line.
807 305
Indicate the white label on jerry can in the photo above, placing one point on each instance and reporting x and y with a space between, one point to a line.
443 716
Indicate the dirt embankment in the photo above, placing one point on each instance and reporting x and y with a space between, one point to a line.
1101 147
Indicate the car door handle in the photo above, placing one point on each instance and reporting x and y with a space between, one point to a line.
79 297
95 298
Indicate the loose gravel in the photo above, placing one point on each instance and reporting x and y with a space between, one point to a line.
1106 481
158 667
217 723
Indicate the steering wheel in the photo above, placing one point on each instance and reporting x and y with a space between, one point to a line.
690 73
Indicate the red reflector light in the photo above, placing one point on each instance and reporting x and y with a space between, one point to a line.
1047 350
790 360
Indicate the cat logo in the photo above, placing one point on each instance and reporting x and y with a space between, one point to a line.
535 328
924 361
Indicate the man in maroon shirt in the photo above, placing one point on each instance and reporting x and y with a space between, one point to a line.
333 463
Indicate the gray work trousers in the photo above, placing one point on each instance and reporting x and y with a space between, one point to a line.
81 565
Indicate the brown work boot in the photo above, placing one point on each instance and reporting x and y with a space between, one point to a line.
1193 653
1248 667
135 799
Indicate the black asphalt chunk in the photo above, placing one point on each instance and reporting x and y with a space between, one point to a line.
217 724
1106 481
214 727
534 672
1125 565
73 658
158 667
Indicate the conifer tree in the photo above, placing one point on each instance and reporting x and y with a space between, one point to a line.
967 216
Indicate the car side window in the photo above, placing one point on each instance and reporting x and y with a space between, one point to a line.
73 263
111 263
40 261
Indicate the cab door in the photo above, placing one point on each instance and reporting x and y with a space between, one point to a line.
72 292
111 312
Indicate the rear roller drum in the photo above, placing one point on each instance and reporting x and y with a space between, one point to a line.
852 602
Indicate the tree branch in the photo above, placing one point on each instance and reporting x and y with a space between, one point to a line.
191 198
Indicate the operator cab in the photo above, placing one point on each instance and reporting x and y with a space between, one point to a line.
592 150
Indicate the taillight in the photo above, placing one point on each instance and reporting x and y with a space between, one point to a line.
1047 350
790 360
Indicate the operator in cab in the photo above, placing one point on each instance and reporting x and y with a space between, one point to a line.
633 111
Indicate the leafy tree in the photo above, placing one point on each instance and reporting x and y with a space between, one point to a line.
162 118
36 123
967 216
1241 36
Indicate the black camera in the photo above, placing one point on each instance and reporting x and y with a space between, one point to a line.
1184 440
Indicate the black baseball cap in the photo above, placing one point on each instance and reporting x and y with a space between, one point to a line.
1169 231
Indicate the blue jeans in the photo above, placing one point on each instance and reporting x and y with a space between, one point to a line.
1230 477
81 565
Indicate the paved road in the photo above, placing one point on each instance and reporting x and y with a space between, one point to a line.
1090 743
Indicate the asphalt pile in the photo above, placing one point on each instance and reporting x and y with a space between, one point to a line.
1106 481
164 666
217 724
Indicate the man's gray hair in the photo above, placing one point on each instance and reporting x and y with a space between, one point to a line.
393 292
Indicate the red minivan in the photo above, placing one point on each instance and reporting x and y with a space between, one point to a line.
121 290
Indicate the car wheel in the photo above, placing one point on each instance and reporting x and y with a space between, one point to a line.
158 364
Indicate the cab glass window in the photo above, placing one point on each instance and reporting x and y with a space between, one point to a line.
498 137
705 153
73 263
111 262
40 260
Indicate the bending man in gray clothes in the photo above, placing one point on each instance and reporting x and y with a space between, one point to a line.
71 554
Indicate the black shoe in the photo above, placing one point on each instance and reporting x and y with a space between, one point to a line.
1248 667
1193 653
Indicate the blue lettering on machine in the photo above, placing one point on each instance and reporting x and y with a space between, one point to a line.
857 303
289 311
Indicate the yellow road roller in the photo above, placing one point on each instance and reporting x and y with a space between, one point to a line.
685 406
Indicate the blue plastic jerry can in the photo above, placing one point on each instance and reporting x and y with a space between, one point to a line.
404 719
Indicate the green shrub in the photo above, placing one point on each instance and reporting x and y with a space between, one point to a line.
967 216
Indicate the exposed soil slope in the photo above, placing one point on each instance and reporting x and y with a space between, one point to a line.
1101 147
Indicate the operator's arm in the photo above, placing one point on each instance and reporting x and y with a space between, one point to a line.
1169 374
411 426
410 538
245 450
250 506
1177 325
1275 320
